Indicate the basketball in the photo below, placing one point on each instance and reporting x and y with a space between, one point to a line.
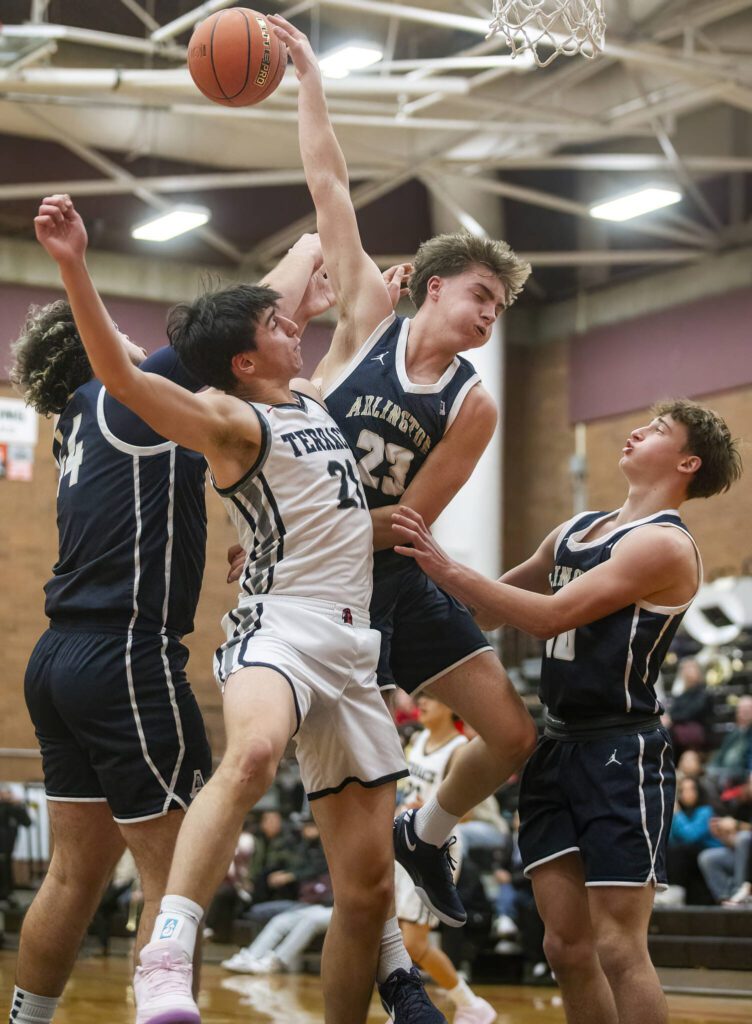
235 58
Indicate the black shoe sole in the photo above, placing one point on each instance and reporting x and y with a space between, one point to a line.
450 922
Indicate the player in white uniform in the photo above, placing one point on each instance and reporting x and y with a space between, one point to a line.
300 653
429 757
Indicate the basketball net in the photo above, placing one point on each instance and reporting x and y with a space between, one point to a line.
567 27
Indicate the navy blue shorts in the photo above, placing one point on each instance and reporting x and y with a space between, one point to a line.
424 632
611 799
117 721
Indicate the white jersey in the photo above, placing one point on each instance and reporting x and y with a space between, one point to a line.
427 769
300 512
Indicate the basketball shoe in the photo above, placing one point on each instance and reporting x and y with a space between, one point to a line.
162 986
404 998
431 869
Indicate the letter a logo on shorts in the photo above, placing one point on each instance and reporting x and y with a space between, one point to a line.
198 783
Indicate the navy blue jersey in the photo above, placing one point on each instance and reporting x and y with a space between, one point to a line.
390 423
604 673
131 516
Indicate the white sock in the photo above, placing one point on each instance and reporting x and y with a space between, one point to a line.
27 1008
178 919
462 994
433 824
392 952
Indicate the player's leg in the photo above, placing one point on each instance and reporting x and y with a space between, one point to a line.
260 717
436 646
620 917
356 832
570 943
87 847
152 844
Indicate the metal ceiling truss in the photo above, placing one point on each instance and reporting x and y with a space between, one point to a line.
475 93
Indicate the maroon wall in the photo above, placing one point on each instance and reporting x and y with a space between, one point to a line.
693 349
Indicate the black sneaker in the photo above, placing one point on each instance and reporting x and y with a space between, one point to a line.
431 869
404 998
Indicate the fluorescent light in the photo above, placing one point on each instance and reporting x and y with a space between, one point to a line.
635 204
353 57
169 225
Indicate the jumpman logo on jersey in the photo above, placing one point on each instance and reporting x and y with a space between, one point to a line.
379 358
612 759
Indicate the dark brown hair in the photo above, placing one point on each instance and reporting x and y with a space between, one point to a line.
710 439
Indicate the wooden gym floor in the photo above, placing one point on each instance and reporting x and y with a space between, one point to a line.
98 994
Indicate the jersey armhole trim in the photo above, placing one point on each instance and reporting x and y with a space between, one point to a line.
567 528
464 391
360 355
124 446
662 609
258 465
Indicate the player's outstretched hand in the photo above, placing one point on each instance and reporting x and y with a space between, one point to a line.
309 245
297 45
409 524
318 297
236 560
60 230
395 279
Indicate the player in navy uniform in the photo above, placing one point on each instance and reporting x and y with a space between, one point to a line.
122 739
606 591
418 420
299 658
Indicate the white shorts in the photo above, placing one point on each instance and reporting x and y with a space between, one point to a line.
328 654
409 906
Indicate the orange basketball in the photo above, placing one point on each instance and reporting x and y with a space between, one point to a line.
235 58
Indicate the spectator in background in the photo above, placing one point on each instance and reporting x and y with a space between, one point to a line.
13 815
732 762
690 834
724 868
234 893
742 898
691 714
271 877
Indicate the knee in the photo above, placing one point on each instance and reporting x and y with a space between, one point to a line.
619 954
366 900
568 954
517 740
251 766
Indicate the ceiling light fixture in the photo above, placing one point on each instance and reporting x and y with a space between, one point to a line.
353 57
171 224
635 204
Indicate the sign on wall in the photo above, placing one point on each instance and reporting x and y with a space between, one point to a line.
19 431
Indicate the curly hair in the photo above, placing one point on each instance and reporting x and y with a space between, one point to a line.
452 254
710 439
49 359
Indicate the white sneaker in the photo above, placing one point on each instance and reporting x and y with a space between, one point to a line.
480 1012
162 985
504 927
239 962
269 964
741 898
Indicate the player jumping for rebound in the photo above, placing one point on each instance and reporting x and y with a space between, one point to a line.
418 420
606 591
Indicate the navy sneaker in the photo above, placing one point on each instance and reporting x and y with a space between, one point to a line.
404 998
431 869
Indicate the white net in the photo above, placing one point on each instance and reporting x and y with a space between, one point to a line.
548 28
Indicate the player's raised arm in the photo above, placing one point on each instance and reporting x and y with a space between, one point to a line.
653 564
294 273
360 291
197 422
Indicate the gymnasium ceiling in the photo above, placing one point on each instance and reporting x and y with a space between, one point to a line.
94 99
